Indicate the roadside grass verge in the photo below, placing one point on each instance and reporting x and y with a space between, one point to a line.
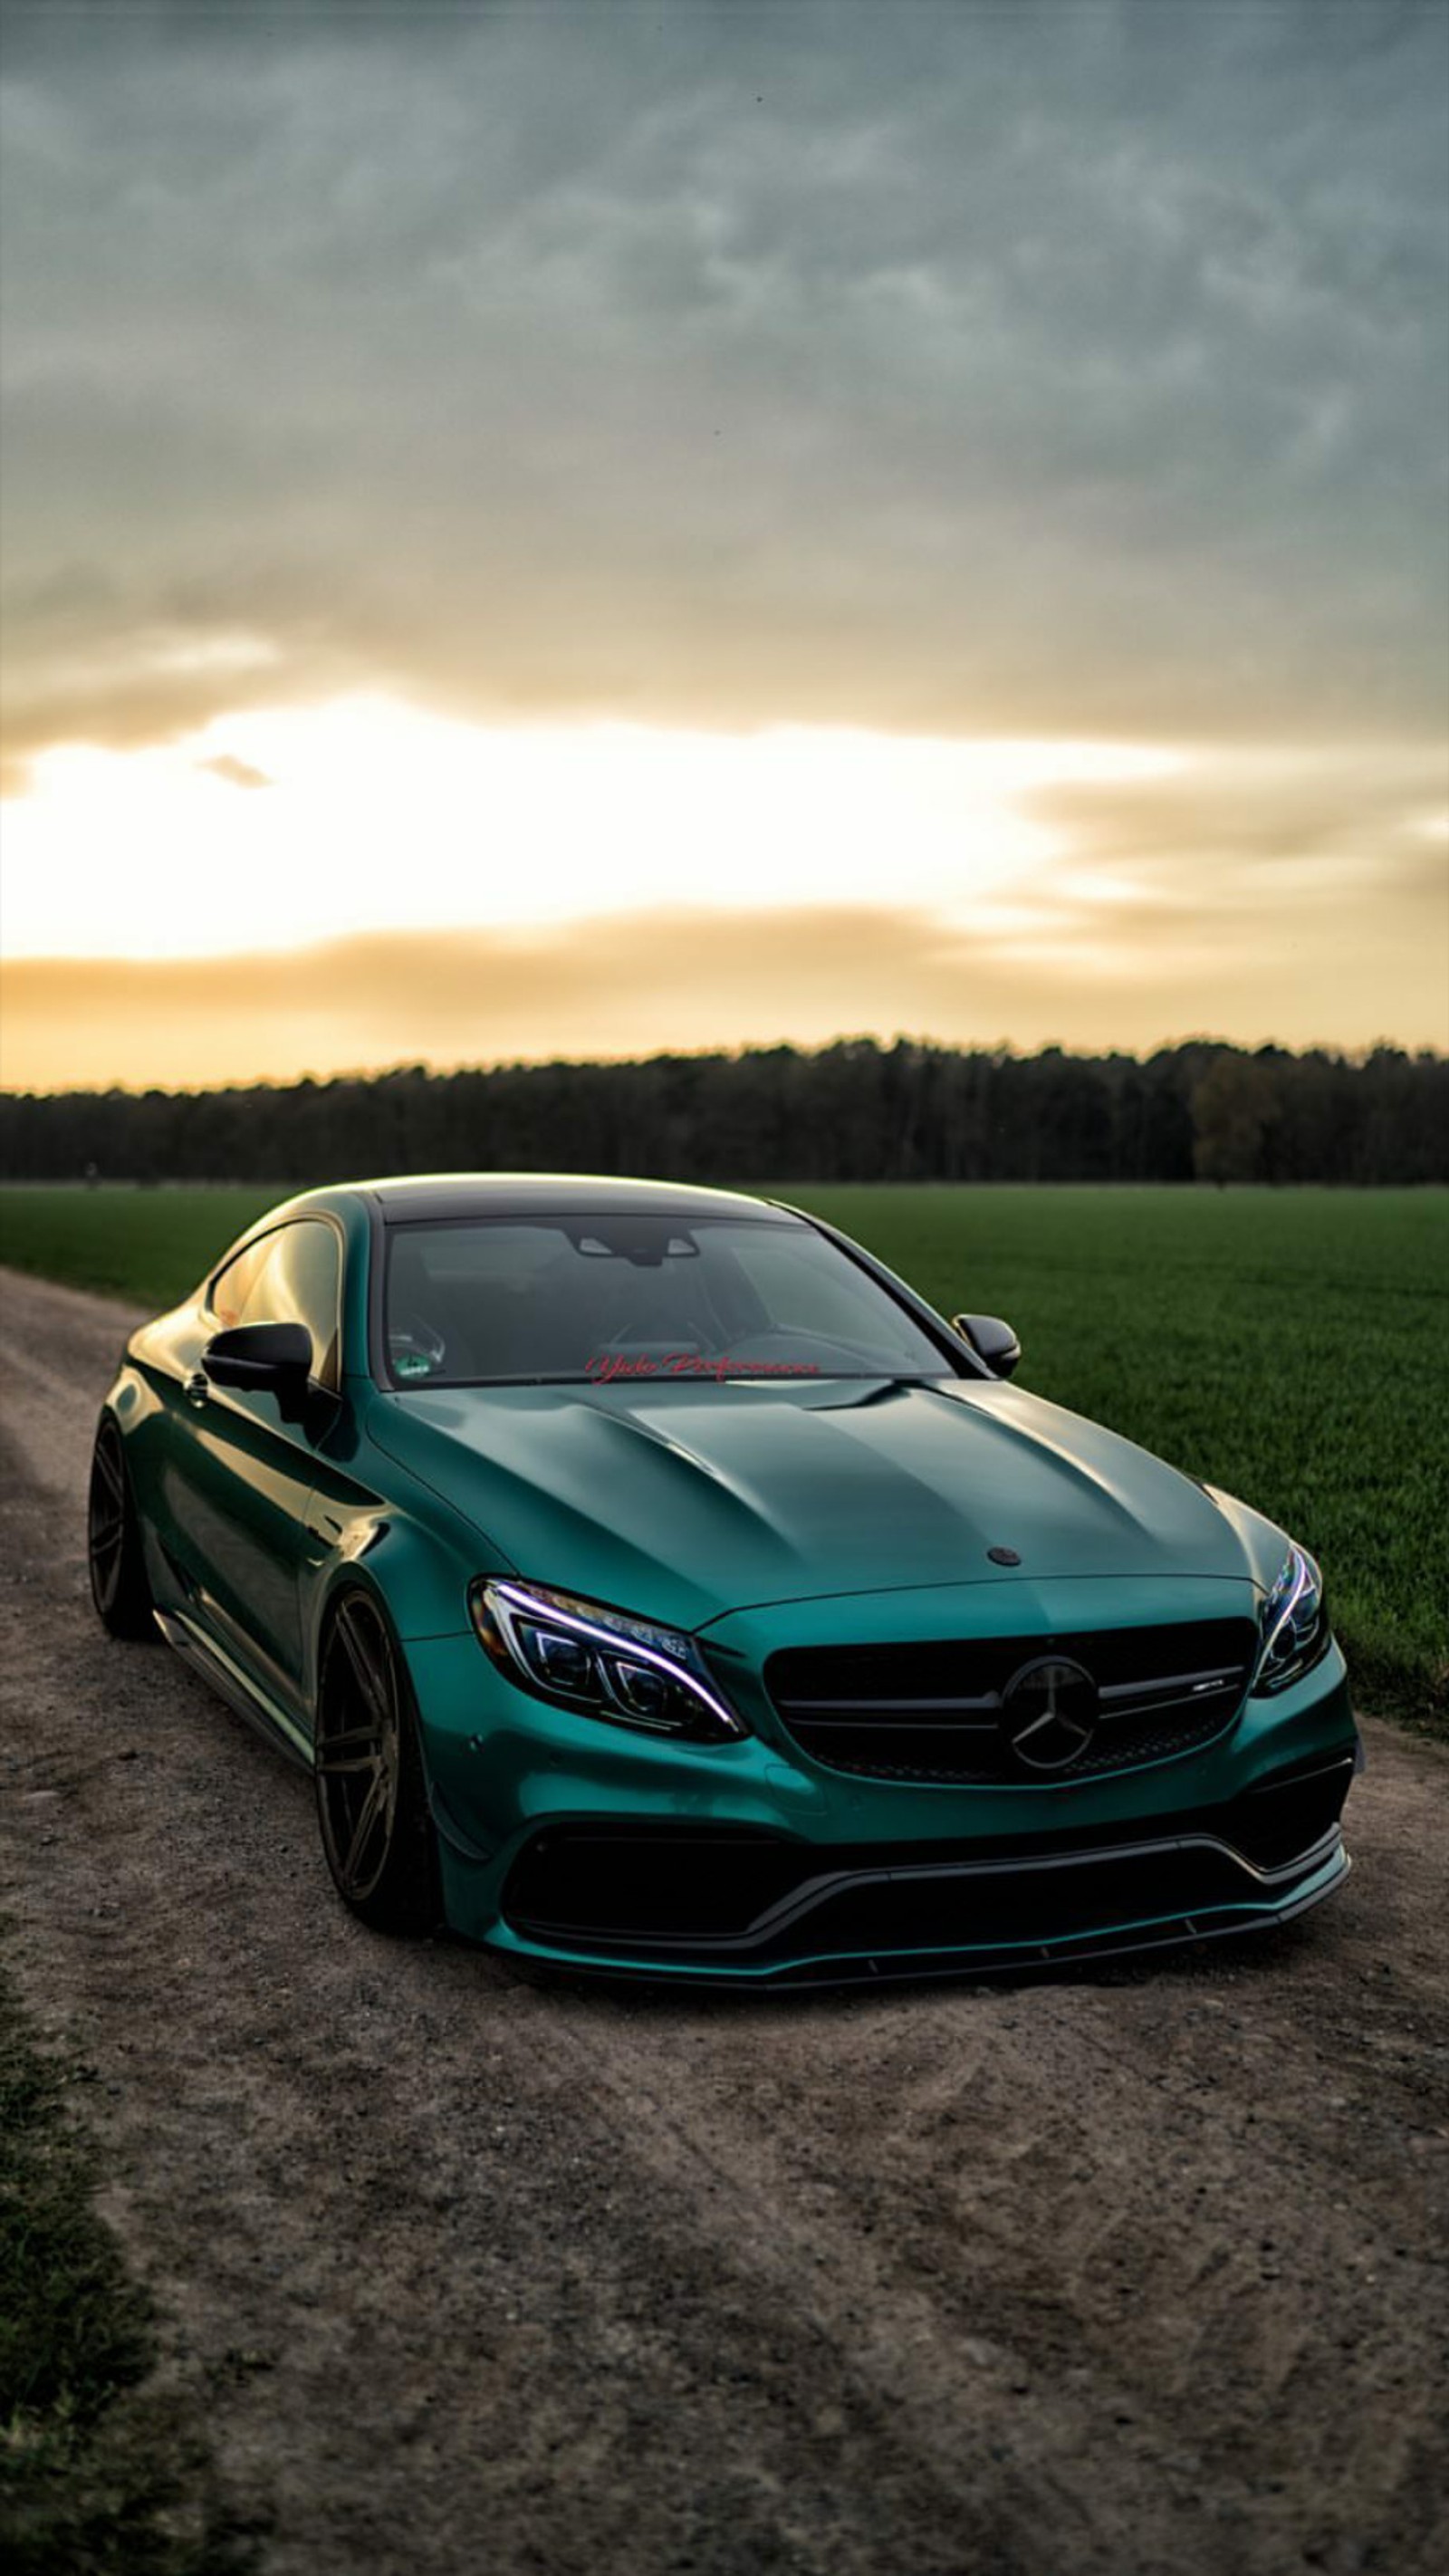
96 2477
1291 1346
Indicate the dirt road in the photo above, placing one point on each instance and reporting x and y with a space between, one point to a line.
1140 2273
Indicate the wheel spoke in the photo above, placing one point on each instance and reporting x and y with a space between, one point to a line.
352 1739
106 1533
371 1679
359 1753
369 1815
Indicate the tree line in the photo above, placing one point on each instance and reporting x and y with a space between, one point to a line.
854 1111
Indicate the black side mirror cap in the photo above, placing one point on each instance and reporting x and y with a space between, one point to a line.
991 1340
273 1359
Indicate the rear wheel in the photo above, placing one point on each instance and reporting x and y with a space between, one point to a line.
119 1587
372 1802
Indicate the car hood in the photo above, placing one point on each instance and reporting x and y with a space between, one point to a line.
683 1502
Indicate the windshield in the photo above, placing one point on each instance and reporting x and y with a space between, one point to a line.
611 1299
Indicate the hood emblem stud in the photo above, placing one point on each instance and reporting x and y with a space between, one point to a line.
1003 1556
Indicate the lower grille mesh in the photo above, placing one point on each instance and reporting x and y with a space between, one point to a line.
647 1888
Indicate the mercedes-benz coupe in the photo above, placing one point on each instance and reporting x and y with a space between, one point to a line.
652 1582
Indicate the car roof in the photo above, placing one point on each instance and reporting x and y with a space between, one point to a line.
449 1196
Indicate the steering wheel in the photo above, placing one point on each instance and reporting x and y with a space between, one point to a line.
638 1335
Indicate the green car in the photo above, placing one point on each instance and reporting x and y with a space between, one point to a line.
653 1583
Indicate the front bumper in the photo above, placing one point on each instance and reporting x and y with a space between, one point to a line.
568 1841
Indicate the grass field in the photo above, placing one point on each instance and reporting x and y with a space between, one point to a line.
1291 1346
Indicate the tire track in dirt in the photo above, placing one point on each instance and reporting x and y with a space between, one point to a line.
1138 2273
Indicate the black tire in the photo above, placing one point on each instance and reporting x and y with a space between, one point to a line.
372 1799
116 1558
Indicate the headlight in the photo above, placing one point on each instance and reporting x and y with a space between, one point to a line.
600 1662
1295 1624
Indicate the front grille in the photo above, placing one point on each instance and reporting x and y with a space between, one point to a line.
935 1712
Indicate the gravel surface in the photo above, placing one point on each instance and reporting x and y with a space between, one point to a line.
1139 2272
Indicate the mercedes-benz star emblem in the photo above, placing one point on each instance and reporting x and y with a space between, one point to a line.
1050 1713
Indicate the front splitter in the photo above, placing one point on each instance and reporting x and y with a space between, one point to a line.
975 1960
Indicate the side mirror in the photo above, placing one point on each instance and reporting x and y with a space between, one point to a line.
262 1359
991 1340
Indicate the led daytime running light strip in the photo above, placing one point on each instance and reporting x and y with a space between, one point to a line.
1305 1579
507 1599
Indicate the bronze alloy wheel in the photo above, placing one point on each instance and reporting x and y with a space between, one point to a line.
371 1798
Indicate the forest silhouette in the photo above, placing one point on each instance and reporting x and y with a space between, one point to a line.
853 1111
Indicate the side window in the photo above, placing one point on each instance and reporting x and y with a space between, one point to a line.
234 1285
293 1276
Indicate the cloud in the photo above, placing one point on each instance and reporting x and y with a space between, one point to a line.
1250 965
720 893
237 773
1067 369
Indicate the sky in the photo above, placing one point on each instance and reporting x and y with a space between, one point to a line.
540 529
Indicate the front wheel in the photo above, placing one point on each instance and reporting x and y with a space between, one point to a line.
372 1800
114 1552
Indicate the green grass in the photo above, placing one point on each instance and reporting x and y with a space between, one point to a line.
1288 1345
150 1245
96 2479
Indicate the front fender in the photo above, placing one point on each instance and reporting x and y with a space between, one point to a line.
405 1545
396 1566
134 1405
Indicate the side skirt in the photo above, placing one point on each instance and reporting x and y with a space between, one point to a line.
237 1688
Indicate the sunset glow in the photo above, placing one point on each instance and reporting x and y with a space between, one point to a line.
239 833
538 532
